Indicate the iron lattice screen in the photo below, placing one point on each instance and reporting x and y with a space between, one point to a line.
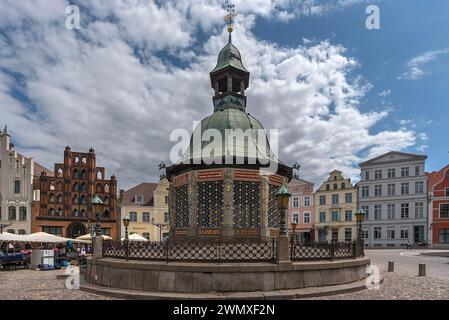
246 204
210 204
181 206
324 251
196 251
274 217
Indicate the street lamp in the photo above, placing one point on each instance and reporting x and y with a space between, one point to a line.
97 205
126 224
283 197
360 216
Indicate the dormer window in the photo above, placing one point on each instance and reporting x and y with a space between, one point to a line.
138 198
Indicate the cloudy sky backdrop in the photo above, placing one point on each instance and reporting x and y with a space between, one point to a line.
137 69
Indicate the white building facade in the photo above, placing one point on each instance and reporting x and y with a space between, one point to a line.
16 187
393 193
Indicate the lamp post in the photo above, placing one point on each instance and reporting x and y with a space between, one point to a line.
97 205
126 224
360 216
283 197
294 226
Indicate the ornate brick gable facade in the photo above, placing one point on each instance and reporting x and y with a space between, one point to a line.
63 205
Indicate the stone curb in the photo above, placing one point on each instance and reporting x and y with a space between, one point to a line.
257 295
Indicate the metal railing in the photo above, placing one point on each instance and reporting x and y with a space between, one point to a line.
325 251
193 251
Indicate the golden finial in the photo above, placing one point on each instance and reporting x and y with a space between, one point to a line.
230 19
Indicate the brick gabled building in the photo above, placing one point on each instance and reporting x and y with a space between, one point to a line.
62 202
439 207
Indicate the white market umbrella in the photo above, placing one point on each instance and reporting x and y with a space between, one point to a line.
88 237
44 238
6 236
135 237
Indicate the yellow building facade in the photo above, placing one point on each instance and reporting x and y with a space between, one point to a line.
335 208
147 207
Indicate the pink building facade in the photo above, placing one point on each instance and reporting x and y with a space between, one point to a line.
301 209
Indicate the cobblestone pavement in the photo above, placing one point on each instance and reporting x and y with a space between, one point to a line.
407 261
39 285
400 287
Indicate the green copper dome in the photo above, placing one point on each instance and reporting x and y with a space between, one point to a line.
229 57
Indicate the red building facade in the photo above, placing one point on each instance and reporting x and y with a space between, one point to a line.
63 206
439 207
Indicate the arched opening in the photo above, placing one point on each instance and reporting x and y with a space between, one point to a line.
83 199
60 212
75 187
343 185
22 232
83 174
335 186
60 199
59 186
328 187
84 160
22 213
76 160
99 188
83 187
106 213
99 175
106 188
52 211
83 213
52 185
75 213
75 199
51 198
76 174
11 213
59 172
76 229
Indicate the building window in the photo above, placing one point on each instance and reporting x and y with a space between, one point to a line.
166 217
348 234
295 202
390 233
404 233
366 210
146 235
306 201
378 175
322 216
133 216
391 210
166 199
57 231
145 217
22 213
419 187
365 191
138 198
348 197
404 210
12 231
377 232
334 234
17 186
306 217
364 234
444 210
335 216
11 213
391 173
328 187
419 210
322 200
348 215
405 172
106 231
378 190
366 175
404 188
295 217
444 236
447 192
335 199
22 232
378 212
417 171
391 189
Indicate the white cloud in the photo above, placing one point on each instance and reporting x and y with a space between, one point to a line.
385 93
417 66
113 86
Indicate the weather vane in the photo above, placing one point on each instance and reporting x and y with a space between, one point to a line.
296 167
229 18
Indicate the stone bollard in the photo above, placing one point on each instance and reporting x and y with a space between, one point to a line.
422 270
390 266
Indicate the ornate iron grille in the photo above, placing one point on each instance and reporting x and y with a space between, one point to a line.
274 216
197 251
210 204
181 206
324 251
246 204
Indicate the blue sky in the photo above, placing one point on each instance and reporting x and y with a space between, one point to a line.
138 69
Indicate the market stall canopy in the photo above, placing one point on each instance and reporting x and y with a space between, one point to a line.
135 237
88 237
44 237
6 236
